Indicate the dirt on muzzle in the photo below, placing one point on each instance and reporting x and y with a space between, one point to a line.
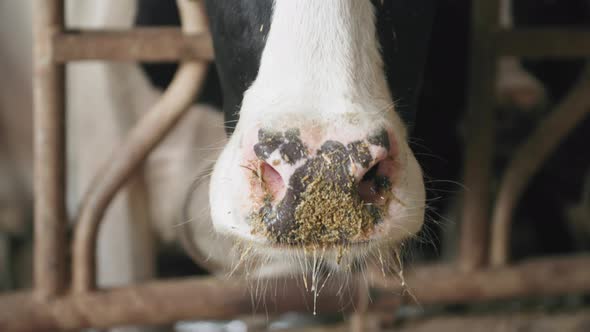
322 206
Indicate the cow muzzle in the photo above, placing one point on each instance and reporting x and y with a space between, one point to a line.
310 190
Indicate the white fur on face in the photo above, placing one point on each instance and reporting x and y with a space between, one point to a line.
321 67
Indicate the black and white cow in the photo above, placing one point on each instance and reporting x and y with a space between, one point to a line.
317 96
284 75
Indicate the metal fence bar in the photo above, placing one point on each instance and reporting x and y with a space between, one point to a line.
170 44
551 42
534 277
138 44
142 139
480 135
49 152
528 159
162 302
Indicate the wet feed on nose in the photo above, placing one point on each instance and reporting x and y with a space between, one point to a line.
322 205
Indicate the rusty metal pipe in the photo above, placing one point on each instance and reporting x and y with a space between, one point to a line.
535 277
161 302
164 302
49 151
550 42
529 157
143 138
138 44
479 147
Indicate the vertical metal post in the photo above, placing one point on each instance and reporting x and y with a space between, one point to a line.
49 147
480 134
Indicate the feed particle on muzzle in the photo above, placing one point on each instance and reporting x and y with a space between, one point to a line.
329 214
322 206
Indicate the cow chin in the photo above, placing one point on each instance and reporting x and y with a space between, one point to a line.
232 210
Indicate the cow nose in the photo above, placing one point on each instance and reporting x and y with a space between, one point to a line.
319 193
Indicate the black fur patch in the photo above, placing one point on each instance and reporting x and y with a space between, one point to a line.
288 143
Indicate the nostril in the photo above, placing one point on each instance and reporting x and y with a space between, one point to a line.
375 184
371 173
272 181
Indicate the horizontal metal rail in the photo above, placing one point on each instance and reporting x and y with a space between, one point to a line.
551 42
139 44
164 44
162 302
